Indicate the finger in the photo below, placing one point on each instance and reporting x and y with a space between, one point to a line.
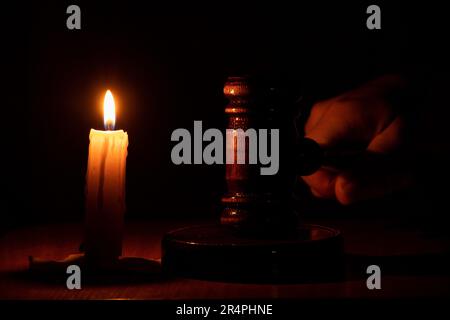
349 120
390 139
331 132
322 183
317 112
341 122
370 182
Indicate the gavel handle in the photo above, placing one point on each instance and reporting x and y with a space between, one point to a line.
310 157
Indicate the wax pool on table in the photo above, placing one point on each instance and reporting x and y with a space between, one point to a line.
105 188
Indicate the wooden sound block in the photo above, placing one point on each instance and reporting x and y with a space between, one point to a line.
312 253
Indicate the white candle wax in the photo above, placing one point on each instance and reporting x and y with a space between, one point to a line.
105 194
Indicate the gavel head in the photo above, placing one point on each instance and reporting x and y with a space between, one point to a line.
264 156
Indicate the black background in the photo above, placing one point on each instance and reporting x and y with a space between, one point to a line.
166 64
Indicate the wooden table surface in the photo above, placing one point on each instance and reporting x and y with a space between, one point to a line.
413 264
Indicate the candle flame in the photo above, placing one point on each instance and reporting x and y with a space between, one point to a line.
109 111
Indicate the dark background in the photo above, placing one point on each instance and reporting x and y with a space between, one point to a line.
166 65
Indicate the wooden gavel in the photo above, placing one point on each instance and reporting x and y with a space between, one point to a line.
260 237
260 203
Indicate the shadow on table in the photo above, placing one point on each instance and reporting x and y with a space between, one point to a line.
126 271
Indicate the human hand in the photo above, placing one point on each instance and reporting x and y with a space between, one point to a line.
364 119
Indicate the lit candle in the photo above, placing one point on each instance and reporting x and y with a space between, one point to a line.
105 188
